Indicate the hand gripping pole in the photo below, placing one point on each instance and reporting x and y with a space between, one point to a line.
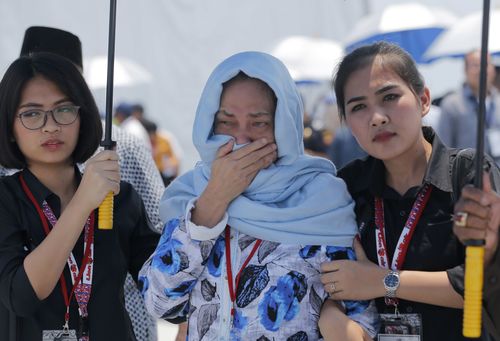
474 253
105 221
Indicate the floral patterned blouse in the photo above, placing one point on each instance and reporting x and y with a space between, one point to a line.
279 296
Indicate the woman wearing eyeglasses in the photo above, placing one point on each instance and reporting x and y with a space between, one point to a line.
60 274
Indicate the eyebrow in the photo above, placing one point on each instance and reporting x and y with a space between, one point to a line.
38 105
254 115
378 92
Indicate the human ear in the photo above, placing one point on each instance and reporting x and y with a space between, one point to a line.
425 101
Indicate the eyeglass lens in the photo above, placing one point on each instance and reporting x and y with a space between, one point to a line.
36 118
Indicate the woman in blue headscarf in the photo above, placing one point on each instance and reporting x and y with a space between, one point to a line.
247 228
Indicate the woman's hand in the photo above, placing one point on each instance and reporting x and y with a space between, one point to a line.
101 176
182 332
482 219
353 280
335 325
231 173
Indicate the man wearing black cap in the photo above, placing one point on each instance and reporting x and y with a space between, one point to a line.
136 163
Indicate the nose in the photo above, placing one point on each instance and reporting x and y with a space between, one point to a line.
242 136
51 125
378 118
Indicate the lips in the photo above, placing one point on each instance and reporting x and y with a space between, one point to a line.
52 144
383 136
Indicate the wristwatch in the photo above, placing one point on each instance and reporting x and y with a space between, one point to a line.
391 283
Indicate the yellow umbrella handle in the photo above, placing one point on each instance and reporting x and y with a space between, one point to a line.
105 221
474 266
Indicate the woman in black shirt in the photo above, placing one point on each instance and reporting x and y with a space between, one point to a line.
404 200
48 124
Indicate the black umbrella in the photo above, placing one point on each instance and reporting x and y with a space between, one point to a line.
106 208
474 255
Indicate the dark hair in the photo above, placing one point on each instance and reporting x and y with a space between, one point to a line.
137 108
391 55
150 126
69 80
241 76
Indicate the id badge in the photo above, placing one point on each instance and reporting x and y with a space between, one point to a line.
59 335
400 327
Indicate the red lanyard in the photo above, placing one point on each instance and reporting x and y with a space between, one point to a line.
407 233
232 289
83 291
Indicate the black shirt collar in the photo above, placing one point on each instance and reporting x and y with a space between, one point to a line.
41 193
437 173
438 169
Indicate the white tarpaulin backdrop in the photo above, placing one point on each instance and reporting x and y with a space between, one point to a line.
178 42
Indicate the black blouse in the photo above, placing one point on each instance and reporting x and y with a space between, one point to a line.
433 246
118 251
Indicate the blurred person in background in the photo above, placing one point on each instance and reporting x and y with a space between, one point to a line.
316 141
496 83
344 148
131 124
163 153
458 118
138 111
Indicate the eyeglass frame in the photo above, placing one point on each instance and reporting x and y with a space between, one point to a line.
46 114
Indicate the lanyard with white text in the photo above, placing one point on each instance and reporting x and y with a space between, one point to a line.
83 276
406 235
232 289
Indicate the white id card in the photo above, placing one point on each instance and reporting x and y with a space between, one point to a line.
390 337
400 327
59 335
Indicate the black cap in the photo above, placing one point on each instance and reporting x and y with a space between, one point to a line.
54 40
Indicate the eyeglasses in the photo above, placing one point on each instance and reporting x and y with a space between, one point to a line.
36 118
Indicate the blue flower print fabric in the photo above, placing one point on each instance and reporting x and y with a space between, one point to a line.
279 296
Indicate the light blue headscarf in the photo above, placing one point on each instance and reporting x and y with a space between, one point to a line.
298 199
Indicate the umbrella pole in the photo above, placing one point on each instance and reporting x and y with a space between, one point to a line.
474 254
105 221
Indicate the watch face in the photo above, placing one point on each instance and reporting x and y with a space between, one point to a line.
391 280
